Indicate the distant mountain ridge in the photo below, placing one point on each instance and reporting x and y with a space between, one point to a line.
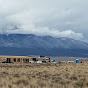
30 40
30 44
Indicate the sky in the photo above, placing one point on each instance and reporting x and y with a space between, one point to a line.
57 18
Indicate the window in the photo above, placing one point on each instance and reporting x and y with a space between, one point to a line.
18 60
23 60
26 60
8 60
14 59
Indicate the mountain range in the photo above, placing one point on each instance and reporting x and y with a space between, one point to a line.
30 44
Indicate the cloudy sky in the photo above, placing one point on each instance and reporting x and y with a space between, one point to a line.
58 18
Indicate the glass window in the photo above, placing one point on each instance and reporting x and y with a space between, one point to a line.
18 60
25 60
14 59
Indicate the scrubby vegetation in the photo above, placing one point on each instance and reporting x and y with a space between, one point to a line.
44 75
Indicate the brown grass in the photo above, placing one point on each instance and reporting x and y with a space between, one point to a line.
44 75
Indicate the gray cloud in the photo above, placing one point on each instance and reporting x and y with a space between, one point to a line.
58 18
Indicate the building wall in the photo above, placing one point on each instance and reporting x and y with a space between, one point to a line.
20 60
17 59
2 60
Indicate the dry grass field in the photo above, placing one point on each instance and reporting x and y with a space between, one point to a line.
44 75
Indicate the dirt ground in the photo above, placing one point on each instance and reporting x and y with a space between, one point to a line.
44 75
